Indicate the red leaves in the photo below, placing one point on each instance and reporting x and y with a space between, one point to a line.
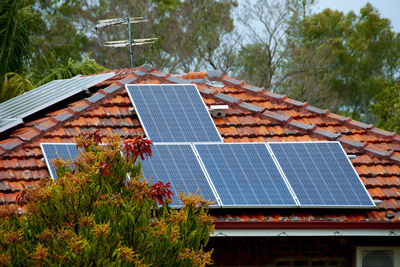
160 192
105 168
137 147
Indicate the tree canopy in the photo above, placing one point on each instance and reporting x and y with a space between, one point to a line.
330 59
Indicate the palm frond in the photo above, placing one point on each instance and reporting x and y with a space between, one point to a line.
15 84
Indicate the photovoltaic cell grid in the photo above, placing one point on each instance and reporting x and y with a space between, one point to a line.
173 113
19 107
244 175
177 164
321 174
62 151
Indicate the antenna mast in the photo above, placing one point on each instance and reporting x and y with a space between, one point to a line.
124 43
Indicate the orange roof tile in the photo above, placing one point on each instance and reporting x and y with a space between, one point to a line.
254 115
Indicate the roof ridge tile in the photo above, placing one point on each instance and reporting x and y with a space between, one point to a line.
112 88
327 134
382 132
338 117
252 88
276 116
350 142
177 80
302 125
317 110
275 95
147 67
359 124
227 98
96 97
232 81
251 107
85 102
65 114
128 79
215 74
159 74
11 144
292 102
139 72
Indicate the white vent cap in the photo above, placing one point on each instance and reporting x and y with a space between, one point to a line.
218 110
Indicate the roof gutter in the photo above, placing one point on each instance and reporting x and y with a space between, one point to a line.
306 225
232 229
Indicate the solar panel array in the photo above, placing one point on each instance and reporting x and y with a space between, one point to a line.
63 151
173 113
19 107
320 174
253 174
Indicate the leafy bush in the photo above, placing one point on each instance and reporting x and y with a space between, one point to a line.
93 214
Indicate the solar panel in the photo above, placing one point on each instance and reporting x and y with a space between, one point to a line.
173 113
321 174
46 95
244 174
53 151
6 124
177 164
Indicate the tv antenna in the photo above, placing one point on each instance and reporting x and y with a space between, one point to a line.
124 43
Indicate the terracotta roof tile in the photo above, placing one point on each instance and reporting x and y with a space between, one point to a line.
226 98
129 79
276 116
252 88
254 115
10 143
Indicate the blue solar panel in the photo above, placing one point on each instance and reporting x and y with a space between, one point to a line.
321 175
52 151
244 174
173 113
177 164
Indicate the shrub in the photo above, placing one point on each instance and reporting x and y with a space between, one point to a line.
100 211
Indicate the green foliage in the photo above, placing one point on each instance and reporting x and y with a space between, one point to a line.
354 55
29 54
56 71
17 22
93 215
387 108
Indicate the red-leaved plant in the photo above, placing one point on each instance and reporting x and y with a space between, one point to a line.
91 214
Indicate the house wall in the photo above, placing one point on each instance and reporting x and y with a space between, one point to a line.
292 251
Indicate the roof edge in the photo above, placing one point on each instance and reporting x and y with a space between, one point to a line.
307 225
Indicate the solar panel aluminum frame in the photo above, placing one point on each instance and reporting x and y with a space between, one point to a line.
143 124
352 167
47 160
244 206
218 204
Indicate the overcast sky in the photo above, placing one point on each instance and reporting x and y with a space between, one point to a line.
387 8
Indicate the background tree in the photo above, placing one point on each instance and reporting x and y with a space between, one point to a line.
387 108
259 58
360 54
189 31
93 215
26 58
